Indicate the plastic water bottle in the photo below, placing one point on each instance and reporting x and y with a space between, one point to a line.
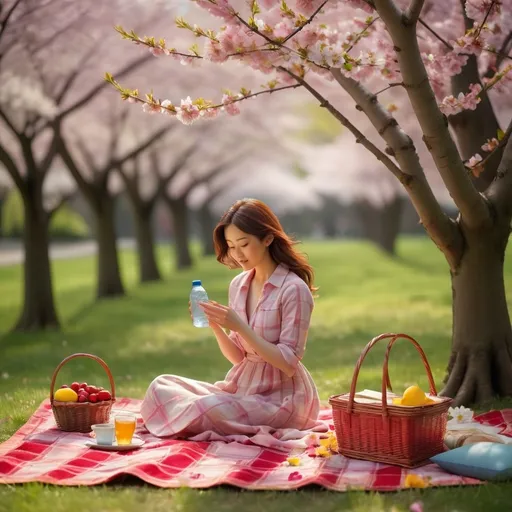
198 294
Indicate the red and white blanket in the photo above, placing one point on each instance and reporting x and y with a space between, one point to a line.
39 452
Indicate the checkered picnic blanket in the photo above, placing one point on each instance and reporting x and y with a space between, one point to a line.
39 452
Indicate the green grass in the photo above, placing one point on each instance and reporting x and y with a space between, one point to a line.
362 293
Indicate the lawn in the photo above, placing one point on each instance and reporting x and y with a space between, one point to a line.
362 293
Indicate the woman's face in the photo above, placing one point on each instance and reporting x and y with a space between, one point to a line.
247 250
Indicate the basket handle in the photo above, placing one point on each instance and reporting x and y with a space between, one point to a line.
90 356
385 372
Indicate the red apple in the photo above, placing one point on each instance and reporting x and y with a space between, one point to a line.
64 386
93 397
75 387
82 398
104 395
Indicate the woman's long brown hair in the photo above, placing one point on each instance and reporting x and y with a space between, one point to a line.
255 218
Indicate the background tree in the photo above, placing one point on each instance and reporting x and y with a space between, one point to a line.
43 84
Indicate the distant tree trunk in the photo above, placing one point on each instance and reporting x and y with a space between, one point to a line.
148 267
38 302
179 212
480 365
207 225
109 282
382 225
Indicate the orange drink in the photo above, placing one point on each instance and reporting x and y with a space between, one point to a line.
125 427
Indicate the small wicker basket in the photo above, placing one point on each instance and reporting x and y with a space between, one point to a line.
79 416
382 432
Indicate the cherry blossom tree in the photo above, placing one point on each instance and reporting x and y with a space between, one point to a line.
48 74
299 41
92 161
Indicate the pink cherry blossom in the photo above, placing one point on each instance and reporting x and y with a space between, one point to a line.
490 145
187 113
229 107
474 160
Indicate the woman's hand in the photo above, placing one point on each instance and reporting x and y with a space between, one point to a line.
213 325
221 315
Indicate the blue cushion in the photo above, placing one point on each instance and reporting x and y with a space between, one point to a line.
485 461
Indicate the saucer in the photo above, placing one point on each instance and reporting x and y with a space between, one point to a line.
137 442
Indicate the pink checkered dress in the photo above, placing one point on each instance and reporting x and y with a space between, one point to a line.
255 401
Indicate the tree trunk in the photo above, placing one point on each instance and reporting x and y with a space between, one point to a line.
109 283
148 268
473 128
207 225
179 213
480 365
382 225
38 300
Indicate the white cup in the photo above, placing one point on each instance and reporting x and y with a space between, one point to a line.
105 433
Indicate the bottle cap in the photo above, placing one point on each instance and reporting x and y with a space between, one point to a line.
196 282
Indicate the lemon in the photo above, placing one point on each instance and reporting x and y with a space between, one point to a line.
65 395
413 396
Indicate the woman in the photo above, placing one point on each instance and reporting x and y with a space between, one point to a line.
268 395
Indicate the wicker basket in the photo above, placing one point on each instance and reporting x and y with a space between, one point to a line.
79 416
393 434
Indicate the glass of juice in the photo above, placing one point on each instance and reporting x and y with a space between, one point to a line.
125 427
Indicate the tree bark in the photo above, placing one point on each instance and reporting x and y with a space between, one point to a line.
148 267
109 283
480 365
179 213
207 225
473 128
38 302
382 225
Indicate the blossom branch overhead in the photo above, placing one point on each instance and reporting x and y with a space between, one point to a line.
296 35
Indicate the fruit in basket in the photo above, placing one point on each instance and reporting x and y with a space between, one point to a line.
413 396
65 395
104 395
84 393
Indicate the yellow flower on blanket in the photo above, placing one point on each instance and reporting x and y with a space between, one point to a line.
416 481
293 461
330 442
322 451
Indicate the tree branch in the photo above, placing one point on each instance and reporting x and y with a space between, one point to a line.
436 135
360 138
151 139
5 21
176 167
73 75
413 12
438 225
9 124
214 171
60 203
87 189
307 22
134 64
12 169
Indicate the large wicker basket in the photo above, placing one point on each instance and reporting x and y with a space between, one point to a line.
382 432
79 416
